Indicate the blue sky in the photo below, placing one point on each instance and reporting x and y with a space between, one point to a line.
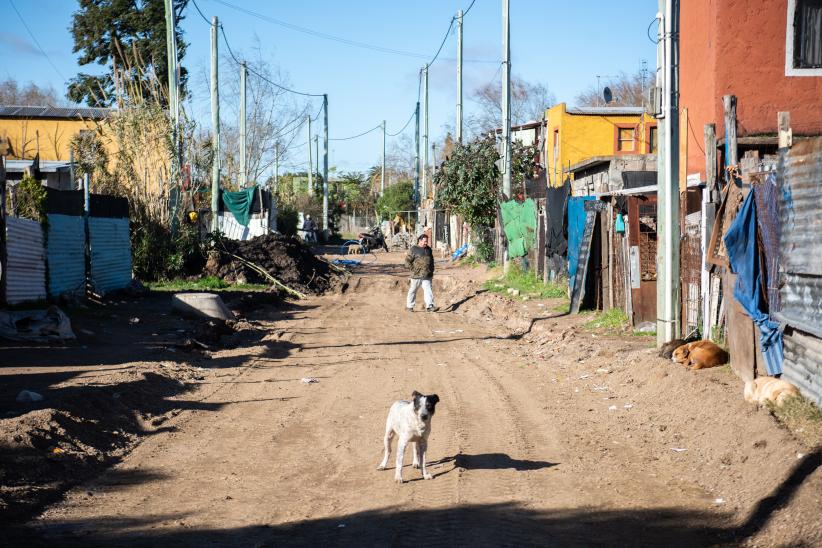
559 43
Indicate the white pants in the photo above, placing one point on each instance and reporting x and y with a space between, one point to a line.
427 292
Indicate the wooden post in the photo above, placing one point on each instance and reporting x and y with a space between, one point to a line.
785 132
731 156
709 205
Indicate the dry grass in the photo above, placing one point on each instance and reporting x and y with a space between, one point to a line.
801 417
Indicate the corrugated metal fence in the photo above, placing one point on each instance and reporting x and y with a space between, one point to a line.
800 242
30 256
26 261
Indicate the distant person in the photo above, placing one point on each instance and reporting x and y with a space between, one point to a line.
420 260
310 229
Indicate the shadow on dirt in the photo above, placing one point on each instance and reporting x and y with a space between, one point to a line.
496 461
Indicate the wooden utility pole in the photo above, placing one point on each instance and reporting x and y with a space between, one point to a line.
325 162
425 133
215 128
382 171
709 204
310 161
417 156
243 170
459 77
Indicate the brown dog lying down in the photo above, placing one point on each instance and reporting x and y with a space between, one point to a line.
668 348
769 389
699 355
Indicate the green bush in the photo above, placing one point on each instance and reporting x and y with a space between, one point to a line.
287 219
398 197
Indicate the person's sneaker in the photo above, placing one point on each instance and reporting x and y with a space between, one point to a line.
431 309
409 309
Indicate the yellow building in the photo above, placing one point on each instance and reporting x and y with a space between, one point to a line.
26 132
578 133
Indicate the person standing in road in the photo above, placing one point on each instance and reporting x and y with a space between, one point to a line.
420 260
310 229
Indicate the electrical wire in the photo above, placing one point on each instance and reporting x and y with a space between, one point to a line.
405 126
444 39
378 126
36 42
648 31
332 37
469 8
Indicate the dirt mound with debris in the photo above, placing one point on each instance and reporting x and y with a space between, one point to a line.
80 429
283 257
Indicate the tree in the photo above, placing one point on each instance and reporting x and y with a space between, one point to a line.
12 93
122 34
396 198
629 90
528 102
468 182
355 192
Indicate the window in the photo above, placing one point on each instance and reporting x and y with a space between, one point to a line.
652 140
625 140
803 41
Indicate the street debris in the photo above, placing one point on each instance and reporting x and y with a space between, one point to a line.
27 396
309 380
35 325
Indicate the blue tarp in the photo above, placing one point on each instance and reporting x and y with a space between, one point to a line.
740 240
576 227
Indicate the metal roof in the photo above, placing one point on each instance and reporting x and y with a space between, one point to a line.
606 111
46 166
71 113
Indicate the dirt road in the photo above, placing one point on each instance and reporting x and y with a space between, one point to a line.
520 455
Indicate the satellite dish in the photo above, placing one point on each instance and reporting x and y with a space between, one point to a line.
607 95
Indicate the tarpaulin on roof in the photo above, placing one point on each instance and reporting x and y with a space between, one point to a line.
576 226
239 203
740 241
519 220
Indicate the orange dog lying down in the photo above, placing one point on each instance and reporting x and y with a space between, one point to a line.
765 389
700 355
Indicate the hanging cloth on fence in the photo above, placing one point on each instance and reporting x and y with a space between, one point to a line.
743 254
519 220
239 203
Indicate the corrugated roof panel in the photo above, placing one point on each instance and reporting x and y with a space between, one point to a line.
26 264
16 111
110 253
803 364
66 255
606 111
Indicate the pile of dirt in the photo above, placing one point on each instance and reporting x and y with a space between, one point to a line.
283 257
79 428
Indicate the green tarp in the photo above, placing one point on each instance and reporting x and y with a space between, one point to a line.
239 203
519 220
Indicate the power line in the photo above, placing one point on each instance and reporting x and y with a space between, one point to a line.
36 42
378 126
332 37
413 112
469 8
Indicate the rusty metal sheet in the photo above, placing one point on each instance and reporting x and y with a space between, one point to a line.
803 364
800 208
26 264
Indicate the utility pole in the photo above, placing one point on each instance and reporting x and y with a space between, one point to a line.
382 171
173 109
425 135
506 116
667 175
277 168
243 170
459 76
310 161
316 156
215 129
417 155
325 162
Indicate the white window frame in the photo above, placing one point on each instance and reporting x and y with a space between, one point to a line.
790 70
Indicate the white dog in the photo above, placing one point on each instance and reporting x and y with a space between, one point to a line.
411 422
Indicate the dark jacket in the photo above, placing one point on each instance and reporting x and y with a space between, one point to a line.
420 260
309 225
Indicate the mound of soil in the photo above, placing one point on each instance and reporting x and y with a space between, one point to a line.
79 429
283 257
